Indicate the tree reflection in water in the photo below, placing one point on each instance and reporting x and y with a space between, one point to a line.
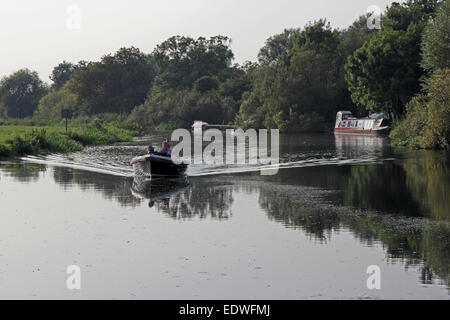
413 241
402 204
182 200
23 171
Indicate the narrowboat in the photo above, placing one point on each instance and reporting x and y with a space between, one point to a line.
375 124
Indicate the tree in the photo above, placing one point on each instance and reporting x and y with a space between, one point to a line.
384 74
51 104
436 43
180 108
62 73
401 16
275 46
20 93
206 84
295 88
427 124
180 61
117 83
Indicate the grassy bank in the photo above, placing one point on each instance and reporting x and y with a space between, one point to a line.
18 140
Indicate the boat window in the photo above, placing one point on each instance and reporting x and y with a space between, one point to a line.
348 124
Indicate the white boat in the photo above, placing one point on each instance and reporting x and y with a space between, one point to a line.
375 124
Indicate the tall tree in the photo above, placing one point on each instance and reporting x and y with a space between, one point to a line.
276 46
62 73
295 88
400 15
436 40
384 74
180 61
20 93
117 83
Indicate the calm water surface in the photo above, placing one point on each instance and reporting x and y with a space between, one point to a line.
337 206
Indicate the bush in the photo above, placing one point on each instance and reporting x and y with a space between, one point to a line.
20 141
40 141
21 146
165 127
427 124
5 150
138 119
110 133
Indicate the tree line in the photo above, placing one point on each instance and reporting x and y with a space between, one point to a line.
303 76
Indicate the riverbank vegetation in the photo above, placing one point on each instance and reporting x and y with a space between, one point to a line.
427 122
303 76
24 139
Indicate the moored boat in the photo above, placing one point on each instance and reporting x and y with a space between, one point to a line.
347 124
154 165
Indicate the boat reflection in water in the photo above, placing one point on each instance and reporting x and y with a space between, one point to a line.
360 145
158 190
182 199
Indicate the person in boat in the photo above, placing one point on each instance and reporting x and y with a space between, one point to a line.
166 151
150 149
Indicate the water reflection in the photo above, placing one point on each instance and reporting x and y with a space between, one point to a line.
350 146
428 181
110 186
182 200
412 241
23 172
402 204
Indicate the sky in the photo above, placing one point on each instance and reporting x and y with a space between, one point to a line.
40 34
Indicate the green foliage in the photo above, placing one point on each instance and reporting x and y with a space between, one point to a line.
20 93
436 43
5 150
181 61
180 108
165 127
427 124
400 16
62 73
99 133
138 118
40 141
275 46
295 90
51 105
206 84
383 75
195 82
117 83
22 140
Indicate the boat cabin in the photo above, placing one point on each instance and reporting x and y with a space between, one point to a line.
347 124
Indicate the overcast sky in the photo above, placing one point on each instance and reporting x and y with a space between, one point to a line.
40 34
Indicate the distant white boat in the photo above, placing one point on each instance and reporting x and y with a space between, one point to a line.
375 124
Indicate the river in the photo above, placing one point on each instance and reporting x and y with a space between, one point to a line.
337 206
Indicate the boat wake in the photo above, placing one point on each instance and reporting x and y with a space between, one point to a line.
62 161
117 167
211 170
